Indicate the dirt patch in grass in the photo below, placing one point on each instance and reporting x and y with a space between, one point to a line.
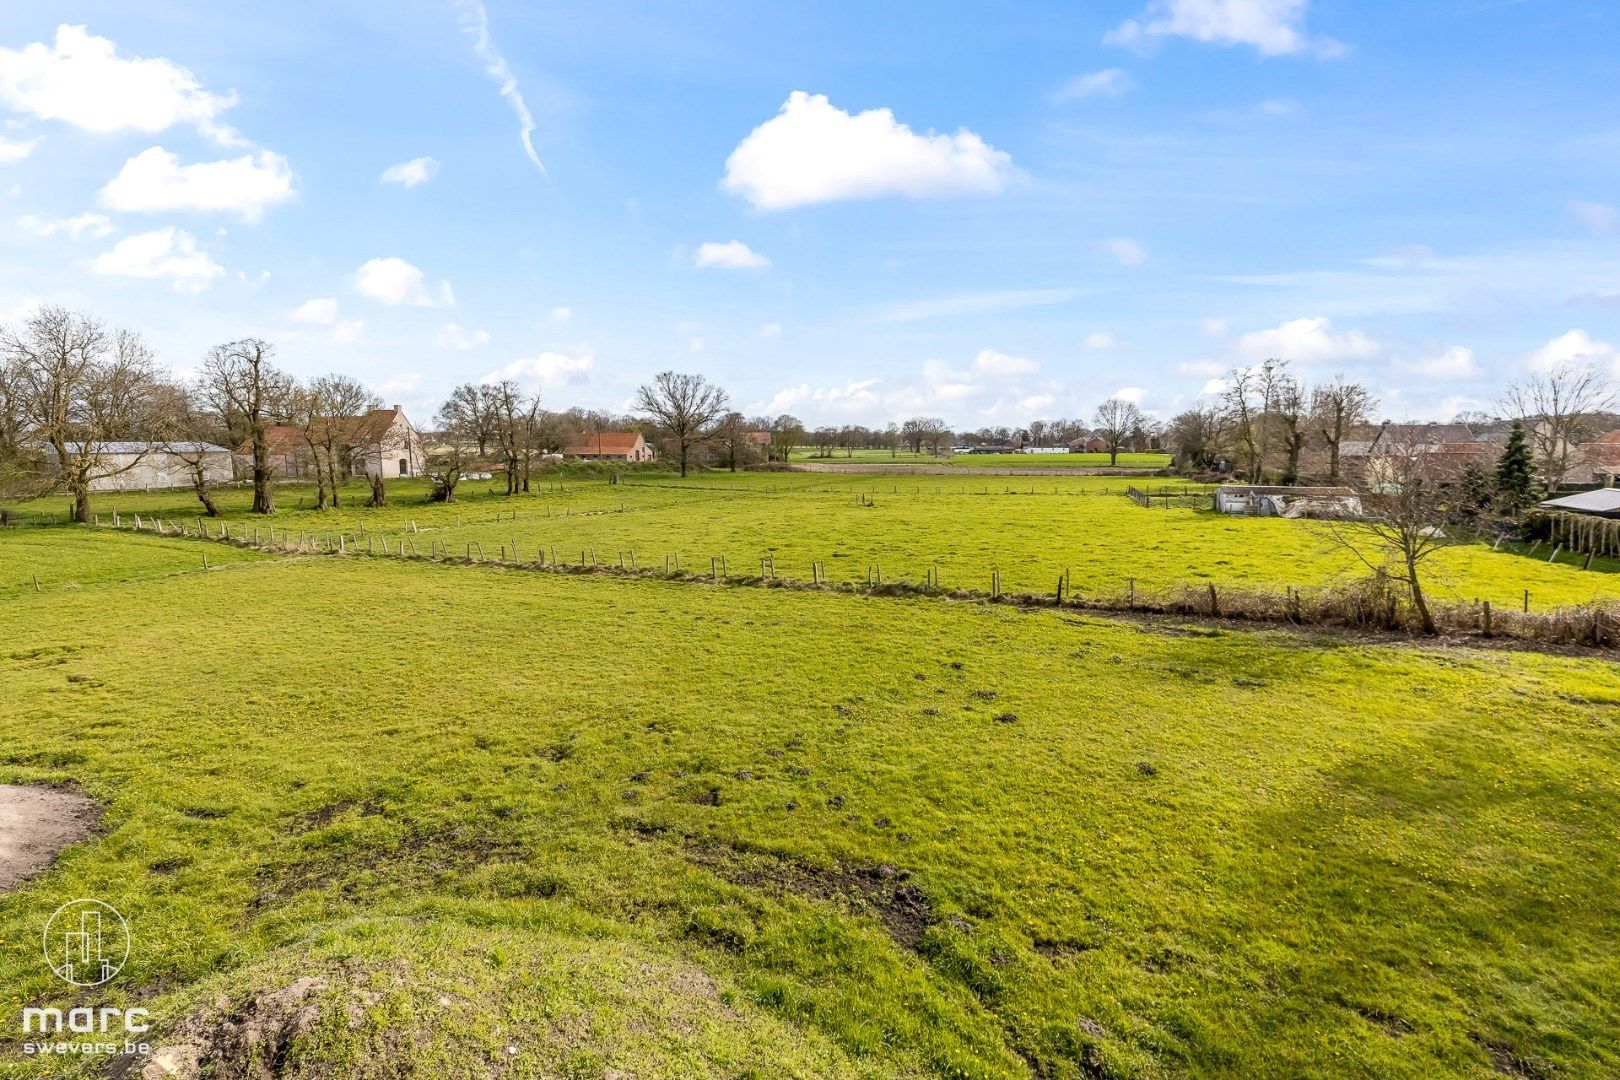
249 1039
35 824
886 892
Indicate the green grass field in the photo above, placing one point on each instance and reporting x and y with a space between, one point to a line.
664 829
980 461
1030 529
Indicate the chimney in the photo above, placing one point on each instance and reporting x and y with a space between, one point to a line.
395 408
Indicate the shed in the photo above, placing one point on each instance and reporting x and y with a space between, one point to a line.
1603 502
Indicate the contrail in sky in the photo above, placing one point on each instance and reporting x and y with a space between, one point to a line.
475 21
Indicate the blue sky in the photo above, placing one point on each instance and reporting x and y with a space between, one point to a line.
1061 202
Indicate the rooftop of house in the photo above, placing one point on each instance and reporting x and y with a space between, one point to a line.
606 442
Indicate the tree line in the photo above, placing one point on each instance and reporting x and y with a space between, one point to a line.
70 384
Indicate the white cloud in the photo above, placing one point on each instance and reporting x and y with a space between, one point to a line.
1126 252
460 338
562 316
95 225
1271 27
975 304
1214 388
547 369
696 345
401 385
771 330
813 152
1109 82
1574 347
731 255
1599 217
394 281
1132 394
475 21
1206 368
347 333
852 396
162 253
81 80
410 173
1457 362
1101 341
15 150
155 181
1036 402
990 362
321 311
1216 327
1308 341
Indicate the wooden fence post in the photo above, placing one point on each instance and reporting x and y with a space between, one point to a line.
1485 611
1214 602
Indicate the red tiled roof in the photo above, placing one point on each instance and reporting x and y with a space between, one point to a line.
616 443
356 430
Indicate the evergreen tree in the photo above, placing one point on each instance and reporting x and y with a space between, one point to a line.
1515 476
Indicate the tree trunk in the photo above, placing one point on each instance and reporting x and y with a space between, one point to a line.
81 503
264 499
1333 461
1418 600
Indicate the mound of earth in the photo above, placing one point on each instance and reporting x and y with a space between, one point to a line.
35 824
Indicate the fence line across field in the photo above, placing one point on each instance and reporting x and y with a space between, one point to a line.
1483 616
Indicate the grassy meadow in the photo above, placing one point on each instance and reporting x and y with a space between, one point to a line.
1149 461
548 826
1030 529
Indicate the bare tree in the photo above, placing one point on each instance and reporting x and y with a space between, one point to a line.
1116 419
459 421
517 425
474 407
77 386
20 463
193 432
787 433
1243 418
1337 409
684 408
1289 409
1406 527
342 402
1197 435
1556 408
245 389
734 438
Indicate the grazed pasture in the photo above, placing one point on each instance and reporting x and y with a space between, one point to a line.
1031 530
555 826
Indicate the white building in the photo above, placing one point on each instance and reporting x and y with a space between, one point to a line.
145 466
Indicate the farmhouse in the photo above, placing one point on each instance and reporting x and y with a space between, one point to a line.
1289 502
610 446
381 441
147 466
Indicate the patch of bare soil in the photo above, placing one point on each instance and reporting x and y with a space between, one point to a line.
886 891
35 824
246 1040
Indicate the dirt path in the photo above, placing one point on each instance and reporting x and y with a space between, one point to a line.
35 824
